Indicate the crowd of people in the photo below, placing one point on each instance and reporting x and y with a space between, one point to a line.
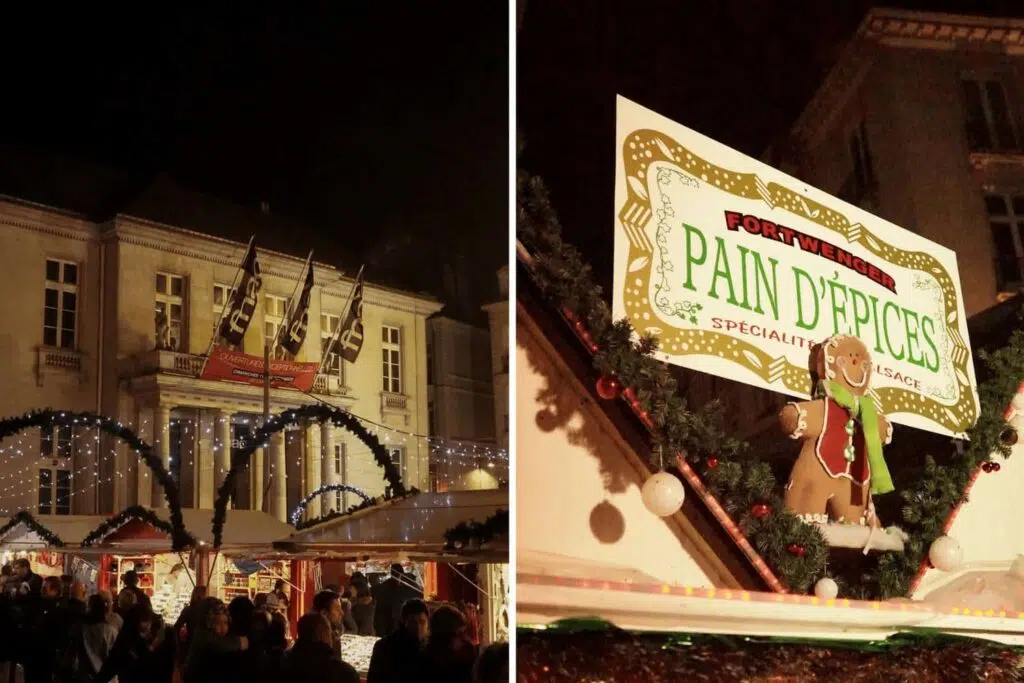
54 632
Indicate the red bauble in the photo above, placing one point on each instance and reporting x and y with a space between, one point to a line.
796 549
608 388
712 463
629 394
578 326
761 510
995 467
986 466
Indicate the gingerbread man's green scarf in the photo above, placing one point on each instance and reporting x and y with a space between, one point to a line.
862 408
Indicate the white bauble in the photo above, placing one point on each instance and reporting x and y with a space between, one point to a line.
663 494
826 589
946 554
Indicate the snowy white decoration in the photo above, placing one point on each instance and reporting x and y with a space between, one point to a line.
1018 402
946 554
663 494
826 589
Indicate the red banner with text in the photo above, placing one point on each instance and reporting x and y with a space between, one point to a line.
235 366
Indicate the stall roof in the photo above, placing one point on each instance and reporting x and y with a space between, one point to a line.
71 529
414 525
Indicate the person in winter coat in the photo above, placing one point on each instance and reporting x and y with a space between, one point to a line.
312 658
96 639
397 657
143 651
212 655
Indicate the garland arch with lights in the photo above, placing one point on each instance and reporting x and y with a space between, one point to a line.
319 413
25 517
48 418
326 488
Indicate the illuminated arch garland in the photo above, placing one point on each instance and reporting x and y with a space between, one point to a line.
48 418
131 513
326 488
314 413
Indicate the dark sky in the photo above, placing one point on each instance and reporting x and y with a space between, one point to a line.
369 120
739 71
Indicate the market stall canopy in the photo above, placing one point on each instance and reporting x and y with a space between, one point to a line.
414 526
70 529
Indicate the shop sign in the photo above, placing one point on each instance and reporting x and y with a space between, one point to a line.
739 269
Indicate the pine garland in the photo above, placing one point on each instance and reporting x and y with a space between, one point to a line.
738 479
51 539
365 505
49 418
131 513
476 534
314 413
326 488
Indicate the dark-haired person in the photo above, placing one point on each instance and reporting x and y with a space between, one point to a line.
131 584
389 596
143 651
492 664
450 653
397 657
312 658
328 603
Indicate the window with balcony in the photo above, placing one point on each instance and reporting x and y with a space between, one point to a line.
60 304
988 119
391 344
54 491
170 302
1006 221
334 366
273 316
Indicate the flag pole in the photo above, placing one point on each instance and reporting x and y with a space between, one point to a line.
341 319
224 308
288 311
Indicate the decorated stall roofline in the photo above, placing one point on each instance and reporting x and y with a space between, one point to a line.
49 418
367 504
24 517
469 534
296 515
644 148
314 413
129 514
744 484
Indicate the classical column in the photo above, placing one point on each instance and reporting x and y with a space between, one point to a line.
313 468
279 472
256 483
162 446
222 449
143 477
205 461
327 474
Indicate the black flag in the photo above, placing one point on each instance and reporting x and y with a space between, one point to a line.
350 338
294 333
243 301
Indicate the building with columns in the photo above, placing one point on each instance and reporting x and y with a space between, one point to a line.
919 122
497 316
79 333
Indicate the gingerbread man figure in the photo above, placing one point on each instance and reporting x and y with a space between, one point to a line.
840 464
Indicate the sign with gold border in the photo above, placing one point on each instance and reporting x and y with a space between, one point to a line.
738 269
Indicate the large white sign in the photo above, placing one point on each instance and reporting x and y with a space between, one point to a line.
739 269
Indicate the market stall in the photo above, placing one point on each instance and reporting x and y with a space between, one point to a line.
41 540
412 531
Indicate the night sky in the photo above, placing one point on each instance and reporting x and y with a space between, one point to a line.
374 122
739 71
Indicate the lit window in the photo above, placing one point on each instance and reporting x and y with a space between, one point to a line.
391 341
60 304
397 454
170 301
339 458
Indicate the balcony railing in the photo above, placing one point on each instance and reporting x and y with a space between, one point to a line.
393 402
160 361
329 385
51 359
